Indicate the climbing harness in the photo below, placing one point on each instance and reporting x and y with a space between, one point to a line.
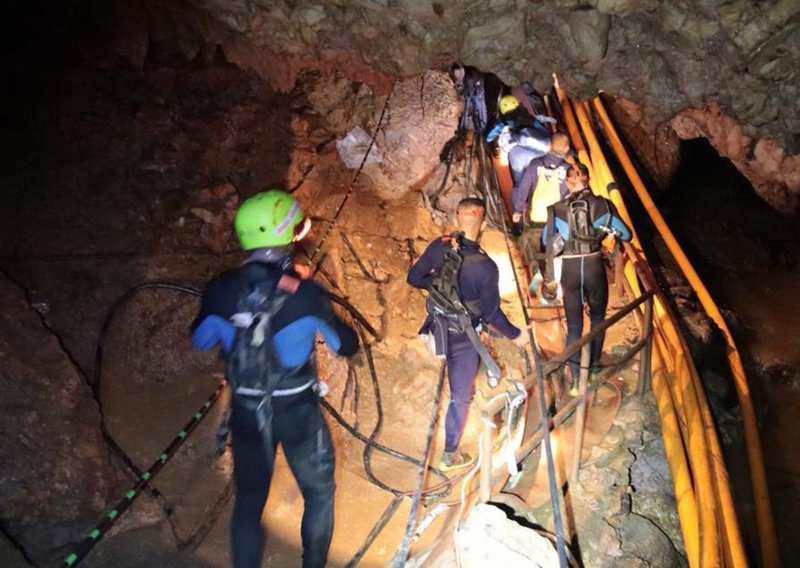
450 312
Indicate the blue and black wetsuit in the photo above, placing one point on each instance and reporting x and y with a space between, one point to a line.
583 275
478 285
531 140
297 422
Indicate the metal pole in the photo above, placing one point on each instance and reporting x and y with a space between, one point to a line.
580 417
619 261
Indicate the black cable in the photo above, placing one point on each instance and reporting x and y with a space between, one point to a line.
376 530
361 324
352 186
98 373
400 556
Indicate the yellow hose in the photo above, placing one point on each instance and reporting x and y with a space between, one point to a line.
766 528
702 433
684 412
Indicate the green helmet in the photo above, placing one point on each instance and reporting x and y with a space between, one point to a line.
272 218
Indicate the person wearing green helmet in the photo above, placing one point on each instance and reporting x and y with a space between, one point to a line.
265 319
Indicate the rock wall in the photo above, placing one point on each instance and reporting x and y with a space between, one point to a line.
727 69
663 55
55 469
774 174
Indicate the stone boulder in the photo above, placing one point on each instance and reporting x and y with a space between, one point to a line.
55 468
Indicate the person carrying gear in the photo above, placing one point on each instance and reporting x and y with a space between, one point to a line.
471 81
477 279
519 134
577 226
542 185
265 319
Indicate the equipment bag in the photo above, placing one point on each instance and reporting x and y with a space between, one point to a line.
584 237
252 368
445 305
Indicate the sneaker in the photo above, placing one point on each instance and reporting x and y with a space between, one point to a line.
455 460
573 392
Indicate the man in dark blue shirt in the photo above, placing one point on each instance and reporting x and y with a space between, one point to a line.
478 286
267 225
583 274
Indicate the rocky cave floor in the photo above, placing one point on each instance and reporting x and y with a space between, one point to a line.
111 179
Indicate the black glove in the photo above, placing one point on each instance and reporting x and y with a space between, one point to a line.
549 290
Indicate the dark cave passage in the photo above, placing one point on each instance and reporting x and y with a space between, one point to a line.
747 254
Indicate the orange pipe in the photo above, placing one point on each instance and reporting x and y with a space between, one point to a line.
706 466
688 512
504 180
766 528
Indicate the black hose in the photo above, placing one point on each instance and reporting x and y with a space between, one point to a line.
360 319
370 442
376 530
98 373
400 556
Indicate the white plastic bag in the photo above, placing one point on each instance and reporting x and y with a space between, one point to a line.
352 148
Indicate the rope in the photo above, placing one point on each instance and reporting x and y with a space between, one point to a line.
116 512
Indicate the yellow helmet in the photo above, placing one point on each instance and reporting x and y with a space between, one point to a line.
508 103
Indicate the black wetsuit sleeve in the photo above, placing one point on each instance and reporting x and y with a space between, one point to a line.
618 224
490 302
421 273
219 299
347 337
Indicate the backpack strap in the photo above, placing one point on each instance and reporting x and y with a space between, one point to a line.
551 234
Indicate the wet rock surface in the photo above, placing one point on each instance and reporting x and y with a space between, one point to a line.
56 471
487 537
665 57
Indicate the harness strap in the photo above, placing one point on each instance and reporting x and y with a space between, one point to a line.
551 235
492 369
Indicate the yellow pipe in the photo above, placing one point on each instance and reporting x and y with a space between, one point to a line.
696 403
766 528
696 539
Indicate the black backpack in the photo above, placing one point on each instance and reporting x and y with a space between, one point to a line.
584 237
252 368
444 294
444 300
